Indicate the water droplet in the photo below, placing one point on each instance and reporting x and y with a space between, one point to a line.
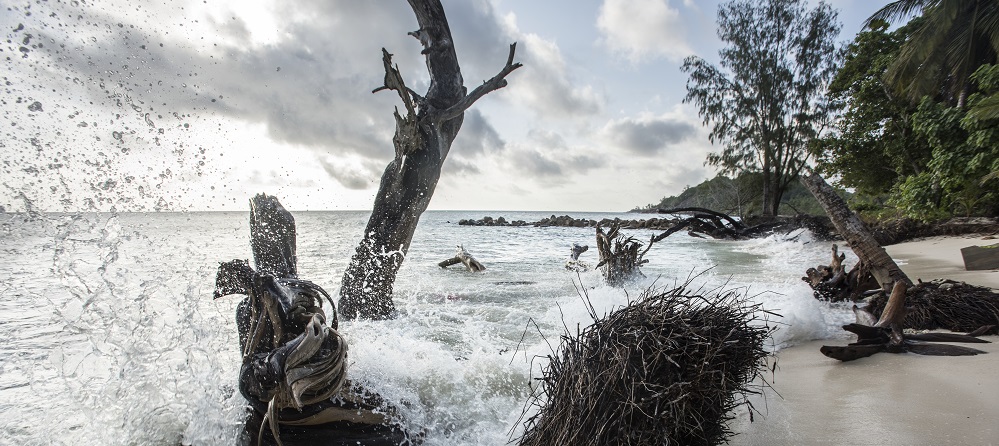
117 135
35 106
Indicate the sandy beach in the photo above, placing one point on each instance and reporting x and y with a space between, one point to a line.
886 399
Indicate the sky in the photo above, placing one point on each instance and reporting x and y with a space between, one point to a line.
198 105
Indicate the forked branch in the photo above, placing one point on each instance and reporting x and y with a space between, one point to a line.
495 83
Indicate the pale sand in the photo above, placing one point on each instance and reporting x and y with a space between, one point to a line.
886 399
940 257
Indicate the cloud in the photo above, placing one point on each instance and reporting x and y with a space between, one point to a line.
477 135
641 30
457 166
549 159
350 173
648 136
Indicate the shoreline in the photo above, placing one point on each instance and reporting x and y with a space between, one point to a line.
889 399
939 257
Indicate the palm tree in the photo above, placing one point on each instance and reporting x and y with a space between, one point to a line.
954 38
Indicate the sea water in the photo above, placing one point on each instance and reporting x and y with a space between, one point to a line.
109 334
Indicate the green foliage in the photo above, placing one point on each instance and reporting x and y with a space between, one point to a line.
964 151
931 159
765 103
874 144
953 38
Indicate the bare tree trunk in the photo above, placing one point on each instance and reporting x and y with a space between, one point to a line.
856 233
422 140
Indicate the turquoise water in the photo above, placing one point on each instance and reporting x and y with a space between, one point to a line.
109 334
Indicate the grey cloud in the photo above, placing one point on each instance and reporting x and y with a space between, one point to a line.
313 87
477 135
549 168
648 137
542 84
350 176
547 139
458 166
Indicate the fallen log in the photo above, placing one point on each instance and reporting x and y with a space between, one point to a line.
887 335
294 361
463 257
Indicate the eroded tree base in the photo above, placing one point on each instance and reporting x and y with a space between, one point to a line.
887 336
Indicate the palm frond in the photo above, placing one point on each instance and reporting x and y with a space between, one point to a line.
900 10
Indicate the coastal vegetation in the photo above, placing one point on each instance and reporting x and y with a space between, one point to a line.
905 121
765 101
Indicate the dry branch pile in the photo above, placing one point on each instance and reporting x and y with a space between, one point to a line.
954 306
666 369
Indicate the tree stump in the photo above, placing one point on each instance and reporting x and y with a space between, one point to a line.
294 362
620 257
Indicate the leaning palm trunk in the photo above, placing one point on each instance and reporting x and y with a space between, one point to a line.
857 235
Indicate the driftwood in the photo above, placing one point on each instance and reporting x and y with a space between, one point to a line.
887 335
620 257
834 283
573 263
294 362
422 140
719 225
666 369
463 257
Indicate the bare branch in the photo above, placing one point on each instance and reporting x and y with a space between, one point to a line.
495 83
393 81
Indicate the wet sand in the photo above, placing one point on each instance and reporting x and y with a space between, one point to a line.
886 399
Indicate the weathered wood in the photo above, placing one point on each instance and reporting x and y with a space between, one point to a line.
464 258
855 232
981 257
573 263
422 141
619 256
886 335
293 373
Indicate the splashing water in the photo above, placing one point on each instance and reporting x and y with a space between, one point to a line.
109 335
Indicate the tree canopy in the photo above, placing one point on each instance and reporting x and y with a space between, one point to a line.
766 101
954 38
932 158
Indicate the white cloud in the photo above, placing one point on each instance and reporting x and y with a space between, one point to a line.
544 83
642 30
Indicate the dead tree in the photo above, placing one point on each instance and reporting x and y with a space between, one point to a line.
294 362
886 335
464 258
422 140
620 257
872 256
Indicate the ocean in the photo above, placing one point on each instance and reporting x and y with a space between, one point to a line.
109 334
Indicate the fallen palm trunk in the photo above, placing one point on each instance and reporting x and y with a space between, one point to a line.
886 335
294 362
666 369
464 258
